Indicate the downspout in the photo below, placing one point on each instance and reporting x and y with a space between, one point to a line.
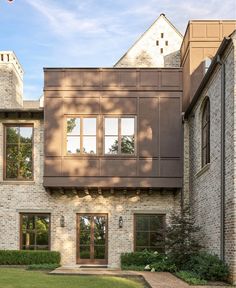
222 158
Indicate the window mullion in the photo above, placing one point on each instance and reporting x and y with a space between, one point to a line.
81 135
119 135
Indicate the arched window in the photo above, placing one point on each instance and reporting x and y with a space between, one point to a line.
206 132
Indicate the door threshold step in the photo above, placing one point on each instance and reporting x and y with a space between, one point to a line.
93 266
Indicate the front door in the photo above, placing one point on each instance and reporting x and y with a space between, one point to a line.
92 238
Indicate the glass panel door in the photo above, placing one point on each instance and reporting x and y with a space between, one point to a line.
92 239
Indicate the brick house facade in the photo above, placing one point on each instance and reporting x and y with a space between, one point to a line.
123 193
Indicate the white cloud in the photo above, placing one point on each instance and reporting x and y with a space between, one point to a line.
63 21
181 11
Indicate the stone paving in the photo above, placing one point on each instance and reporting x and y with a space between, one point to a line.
154 279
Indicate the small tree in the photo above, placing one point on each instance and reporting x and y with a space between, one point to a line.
182 238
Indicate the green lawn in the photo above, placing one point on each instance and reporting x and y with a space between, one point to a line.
20 278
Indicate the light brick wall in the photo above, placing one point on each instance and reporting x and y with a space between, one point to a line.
205 183
11 81
145 52
32 197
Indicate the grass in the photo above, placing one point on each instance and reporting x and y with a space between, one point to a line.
20 278
190 278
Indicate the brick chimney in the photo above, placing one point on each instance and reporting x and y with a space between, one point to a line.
11 81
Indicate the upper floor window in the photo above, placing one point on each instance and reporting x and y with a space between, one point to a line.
34 230
206 132
120 135
81 135
18 152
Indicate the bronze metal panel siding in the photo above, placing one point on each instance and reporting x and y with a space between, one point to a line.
73 78
81 106
148 127
91 79
52 166
110 79
170 128
119 167
53 126
171 79
149 78
152 96
128 79
148 167
123 79
116 182
170 168
72 166
118 105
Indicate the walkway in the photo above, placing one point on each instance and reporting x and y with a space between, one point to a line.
155 280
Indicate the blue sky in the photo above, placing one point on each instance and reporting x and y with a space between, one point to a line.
88 33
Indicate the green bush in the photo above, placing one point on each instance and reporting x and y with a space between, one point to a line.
48 266
164 266
145 260
16 257
191 278
182 237
140 258
208 267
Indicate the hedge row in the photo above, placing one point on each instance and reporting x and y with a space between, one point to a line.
16 257
140 258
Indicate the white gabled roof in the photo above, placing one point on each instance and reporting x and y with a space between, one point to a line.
155 25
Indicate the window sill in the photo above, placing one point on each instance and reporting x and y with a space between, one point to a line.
203 170
101 156
7 182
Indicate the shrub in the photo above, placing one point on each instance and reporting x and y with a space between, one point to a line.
182 238
164 266
16 257
208 267
140 258
48 266
151 261
191 278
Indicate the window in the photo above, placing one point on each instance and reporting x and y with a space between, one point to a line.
120 135
166 43
157 43
162 35
81 135
35 231
18 152
206 132
149 232
161 50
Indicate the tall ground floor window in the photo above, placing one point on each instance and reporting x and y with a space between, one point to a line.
149 232
34 231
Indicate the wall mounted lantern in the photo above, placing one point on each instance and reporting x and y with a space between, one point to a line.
62 221
120 222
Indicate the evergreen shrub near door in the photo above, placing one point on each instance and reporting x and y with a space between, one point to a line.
19 257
